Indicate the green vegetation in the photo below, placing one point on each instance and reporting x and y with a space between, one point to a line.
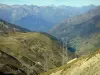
36 52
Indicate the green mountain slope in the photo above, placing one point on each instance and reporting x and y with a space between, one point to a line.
31 53
81 32
28 53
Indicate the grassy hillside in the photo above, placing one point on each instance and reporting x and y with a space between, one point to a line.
88 65
29 53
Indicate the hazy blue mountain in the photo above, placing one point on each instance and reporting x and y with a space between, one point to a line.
7 28
80 32
39 18
38 24
67 25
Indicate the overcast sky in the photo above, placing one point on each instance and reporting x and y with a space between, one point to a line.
52 2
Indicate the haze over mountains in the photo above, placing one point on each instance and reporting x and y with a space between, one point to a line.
80 32
39 18
65 41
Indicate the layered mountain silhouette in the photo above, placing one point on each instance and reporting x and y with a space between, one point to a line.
70 48
39 18
79 32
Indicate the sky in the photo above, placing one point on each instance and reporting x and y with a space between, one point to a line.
76 3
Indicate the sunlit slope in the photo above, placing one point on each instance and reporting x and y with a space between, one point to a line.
89 65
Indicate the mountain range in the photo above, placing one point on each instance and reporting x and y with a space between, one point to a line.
80 32
39 18
70 47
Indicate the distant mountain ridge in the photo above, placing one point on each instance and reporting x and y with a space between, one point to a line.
75 20
39 18
80 32
6 27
